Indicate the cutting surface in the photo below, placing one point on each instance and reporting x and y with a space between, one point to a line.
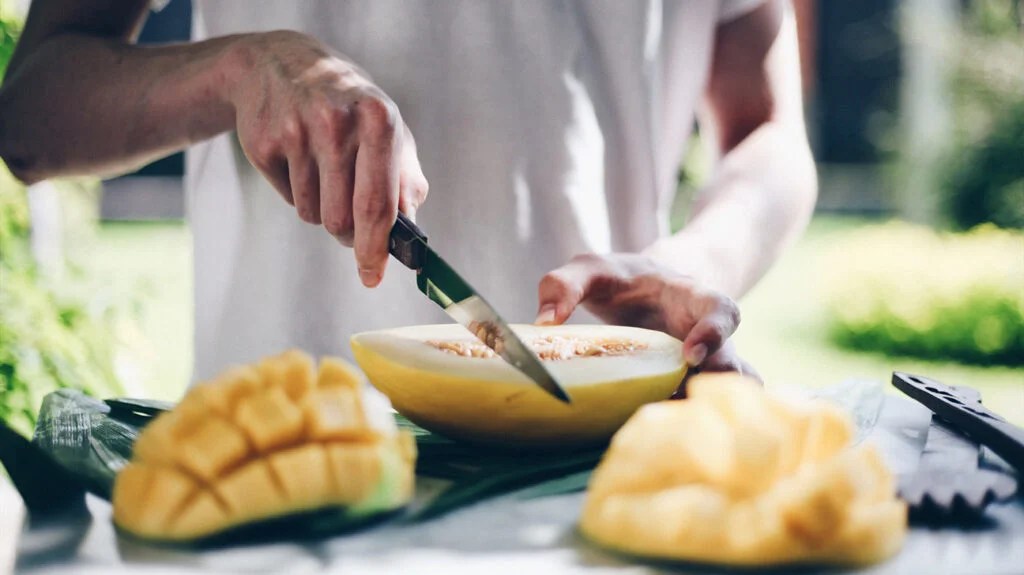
505 535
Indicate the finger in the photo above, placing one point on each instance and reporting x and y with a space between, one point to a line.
277 173
304 178
730 362
337 181
726 360
711 331
375 199
562 290
413 184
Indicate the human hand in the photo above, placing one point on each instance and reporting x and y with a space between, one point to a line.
631 289
328 139
725 359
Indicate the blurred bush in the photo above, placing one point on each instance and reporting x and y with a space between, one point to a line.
9 30
983 177
55 329
902 289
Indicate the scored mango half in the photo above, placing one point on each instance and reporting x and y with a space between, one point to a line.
735 476
264 441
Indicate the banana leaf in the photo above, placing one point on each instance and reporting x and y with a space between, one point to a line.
92 440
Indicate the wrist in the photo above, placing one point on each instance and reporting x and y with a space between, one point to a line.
690 256
233 67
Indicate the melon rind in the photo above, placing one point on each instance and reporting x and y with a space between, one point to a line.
486 400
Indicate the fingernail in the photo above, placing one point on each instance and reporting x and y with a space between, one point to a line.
546 315
369 277
697 354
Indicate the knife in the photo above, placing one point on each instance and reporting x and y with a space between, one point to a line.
442 285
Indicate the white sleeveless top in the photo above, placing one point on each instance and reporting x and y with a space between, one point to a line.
545 129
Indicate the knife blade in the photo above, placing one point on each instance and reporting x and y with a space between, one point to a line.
445 287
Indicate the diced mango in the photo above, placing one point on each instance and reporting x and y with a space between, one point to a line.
251 491
338 373
258 443
203 517
299 374
335 413
734 476
355 470
132 484
269 419
213 447
168 491
303 474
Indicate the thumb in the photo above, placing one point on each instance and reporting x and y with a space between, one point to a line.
710 333
561 290
413 185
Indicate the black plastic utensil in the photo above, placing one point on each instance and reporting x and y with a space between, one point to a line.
950 486
966 415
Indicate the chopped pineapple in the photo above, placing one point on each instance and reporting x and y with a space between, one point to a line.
260 442
735 476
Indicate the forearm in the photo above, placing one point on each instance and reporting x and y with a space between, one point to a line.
87 105
758 201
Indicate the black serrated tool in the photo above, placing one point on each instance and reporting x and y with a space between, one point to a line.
952 484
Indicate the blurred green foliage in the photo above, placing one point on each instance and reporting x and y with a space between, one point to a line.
10 28
54 331
986 182
983 177
908 290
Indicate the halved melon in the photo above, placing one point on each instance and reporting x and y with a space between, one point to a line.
261 442
735 476
442 378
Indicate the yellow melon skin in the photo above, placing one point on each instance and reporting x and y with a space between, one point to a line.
485 400
733 476
261 442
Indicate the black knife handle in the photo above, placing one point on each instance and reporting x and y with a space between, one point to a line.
976 420
406 242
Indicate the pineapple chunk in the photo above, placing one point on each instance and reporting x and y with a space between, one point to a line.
261 442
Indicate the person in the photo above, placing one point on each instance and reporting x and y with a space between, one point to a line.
551 133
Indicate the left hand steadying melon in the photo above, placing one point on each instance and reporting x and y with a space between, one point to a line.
264 441
443 379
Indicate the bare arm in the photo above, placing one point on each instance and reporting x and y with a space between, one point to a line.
763 190
80 98
759 198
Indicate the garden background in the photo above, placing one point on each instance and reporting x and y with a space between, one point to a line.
914 260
